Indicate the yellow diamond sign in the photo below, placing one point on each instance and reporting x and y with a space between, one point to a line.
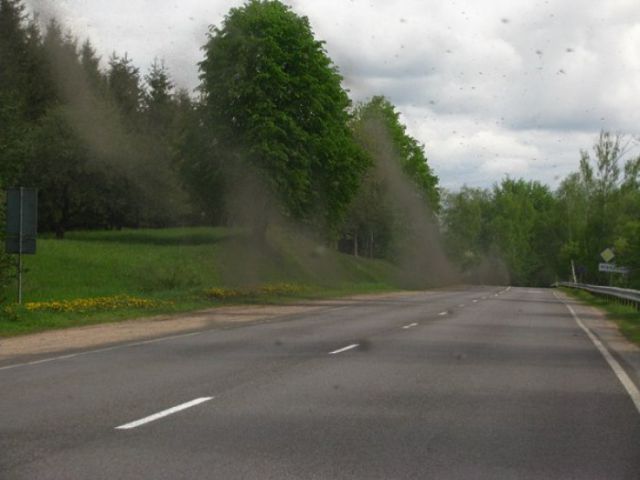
607 255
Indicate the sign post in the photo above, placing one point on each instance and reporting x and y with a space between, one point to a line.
22 226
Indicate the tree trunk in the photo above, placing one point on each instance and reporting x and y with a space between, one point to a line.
355 244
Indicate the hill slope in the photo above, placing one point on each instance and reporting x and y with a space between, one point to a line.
91 277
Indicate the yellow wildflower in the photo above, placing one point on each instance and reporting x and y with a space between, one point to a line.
97 303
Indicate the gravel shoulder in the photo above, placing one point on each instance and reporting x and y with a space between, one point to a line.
17 349
607 331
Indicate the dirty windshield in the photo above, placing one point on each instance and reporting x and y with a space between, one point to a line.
319 239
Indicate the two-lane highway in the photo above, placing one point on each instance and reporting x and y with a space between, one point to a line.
467 383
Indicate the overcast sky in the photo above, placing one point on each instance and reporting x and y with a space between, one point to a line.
490 87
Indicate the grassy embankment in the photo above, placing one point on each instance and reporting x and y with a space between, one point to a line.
93 277
626 317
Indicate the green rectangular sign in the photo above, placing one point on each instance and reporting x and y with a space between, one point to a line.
22 220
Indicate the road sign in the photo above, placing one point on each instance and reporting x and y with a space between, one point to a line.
22 225
22 220
612 268
607 255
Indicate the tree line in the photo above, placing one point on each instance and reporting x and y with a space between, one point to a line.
270 136
525 233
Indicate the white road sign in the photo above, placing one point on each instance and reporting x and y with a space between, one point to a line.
612 268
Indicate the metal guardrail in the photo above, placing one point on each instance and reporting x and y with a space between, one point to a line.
626 296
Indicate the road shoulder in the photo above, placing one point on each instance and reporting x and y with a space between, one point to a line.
34 346
627 353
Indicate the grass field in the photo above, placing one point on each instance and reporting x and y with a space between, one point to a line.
92 277
626 317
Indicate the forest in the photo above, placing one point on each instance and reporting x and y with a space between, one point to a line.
272 137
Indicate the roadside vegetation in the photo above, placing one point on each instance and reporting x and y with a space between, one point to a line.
625 316
531 234
92 277
268 174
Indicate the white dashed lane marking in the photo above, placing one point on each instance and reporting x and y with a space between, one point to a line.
344 349
164 413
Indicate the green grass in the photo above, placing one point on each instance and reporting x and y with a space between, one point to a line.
626 317
175 267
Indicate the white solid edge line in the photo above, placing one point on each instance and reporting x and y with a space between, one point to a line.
348 347
627 383
164 413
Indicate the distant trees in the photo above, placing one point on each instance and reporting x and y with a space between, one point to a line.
397 192
600 208
408 152
273 133
524 230
512 224
21 100
158 101
466 217
537 233
97 143
277 115
124 87
58 163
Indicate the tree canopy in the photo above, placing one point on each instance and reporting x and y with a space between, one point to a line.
406 149
273 100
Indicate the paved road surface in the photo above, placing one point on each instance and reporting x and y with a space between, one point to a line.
460 384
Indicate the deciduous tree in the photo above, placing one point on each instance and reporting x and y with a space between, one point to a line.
274 103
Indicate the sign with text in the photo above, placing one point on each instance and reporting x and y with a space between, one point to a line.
22 220
612 268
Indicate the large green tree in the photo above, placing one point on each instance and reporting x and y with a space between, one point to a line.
275 105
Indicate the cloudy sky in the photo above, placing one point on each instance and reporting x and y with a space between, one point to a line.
491 87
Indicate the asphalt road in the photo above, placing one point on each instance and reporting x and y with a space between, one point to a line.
481 383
